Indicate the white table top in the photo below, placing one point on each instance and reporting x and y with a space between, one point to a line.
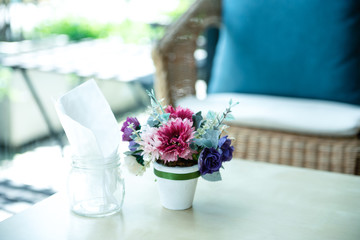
253 201
101 58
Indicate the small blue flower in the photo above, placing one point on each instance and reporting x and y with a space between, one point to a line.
209 161
133 146
225 149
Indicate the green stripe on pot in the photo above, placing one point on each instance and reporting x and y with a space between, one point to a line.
177 176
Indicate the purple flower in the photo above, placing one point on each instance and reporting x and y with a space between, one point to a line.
128 132
225 149
209 161
133 146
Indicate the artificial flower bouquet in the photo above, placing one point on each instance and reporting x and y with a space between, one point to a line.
178 137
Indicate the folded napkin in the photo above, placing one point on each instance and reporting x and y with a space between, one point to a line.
89 123
94 138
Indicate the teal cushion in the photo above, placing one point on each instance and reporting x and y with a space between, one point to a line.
298 48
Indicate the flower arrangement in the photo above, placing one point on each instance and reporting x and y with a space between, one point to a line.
178 137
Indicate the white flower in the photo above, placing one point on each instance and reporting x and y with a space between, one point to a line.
133 166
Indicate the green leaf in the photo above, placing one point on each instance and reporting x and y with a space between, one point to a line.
211 115
195 157
193 146
213 137
153 103
229 117
139 159
128 153
209 140
233 105
133 153
202 142
213 177
153 122
197 119
165 117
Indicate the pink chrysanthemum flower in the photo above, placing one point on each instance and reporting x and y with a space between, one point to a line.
179 112
175 138
150 143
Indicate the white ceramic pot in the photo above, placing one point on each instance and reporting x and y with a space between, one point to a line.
176 185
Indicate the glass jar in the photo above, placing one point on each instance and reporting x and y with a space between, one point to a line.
96 186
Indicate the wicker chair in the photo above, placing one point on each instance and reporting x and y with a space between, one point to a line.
176 74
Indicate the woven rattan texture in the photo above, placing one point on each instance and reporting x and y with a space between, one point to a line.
173 55
176 75
323 153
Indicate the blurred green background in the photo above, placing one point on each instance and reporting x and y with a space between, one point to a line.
59 20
